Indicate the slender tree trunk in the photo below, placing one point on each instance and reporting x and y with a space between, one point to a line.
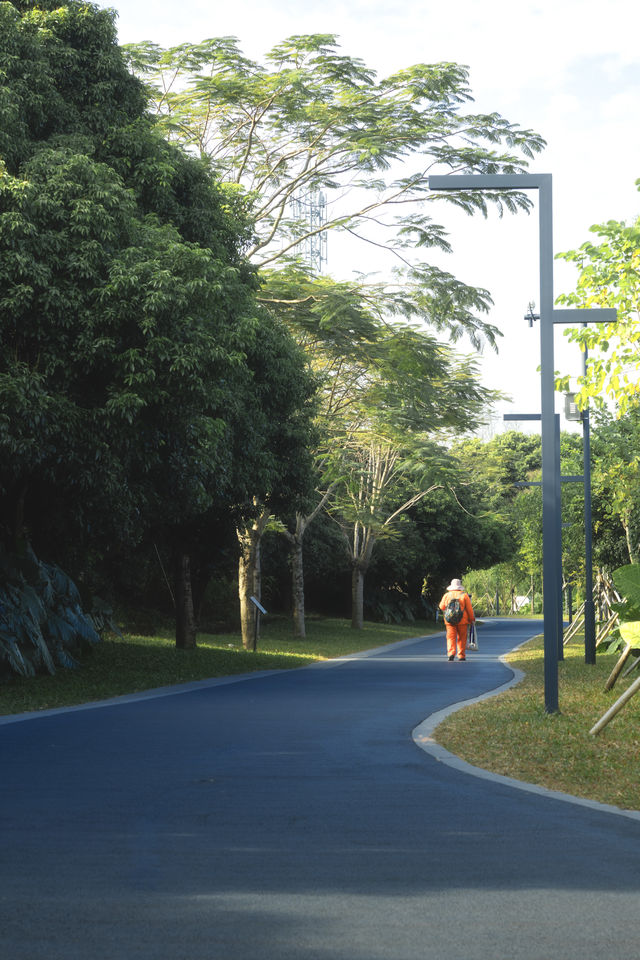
250 575
533 595
248 585
357 595
185 616
297 567
297 576
633 553
297 582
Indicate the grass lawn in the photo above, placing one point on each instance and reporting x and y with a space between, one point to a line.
512 735
119 666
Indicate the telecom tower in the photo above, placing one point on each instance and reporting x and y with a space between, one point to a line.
312 210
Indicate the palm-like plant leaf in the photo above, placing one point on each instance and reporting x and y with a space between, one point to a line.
42 621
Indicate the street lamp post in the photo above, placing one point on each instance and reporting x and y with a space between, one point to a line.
589 611
550 465
573 413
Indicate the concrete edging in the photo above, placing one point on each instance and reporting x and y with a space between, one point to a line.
423 738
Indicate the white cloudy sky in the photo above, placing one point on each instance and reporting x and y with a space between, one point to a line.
567 68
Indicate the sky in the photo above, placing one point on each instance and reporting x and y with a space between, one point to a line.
568 69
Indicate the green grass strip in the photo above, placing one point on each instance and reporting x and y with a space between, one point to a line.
512 735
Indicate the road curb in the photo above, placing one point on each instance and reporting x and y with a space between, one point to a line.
423 738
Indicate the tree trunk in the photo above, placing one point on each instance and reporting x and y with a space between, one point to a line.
533 595
357 596
250 576
297 568
247 574
633 553
297 583
185 616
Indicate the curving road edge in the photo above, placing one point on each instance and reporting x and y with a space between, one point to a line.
423 738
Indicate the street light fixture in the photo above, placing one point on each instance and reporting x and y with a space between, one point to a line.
550 454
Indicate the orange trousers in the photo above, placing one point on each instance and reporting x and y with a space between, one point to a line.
457 635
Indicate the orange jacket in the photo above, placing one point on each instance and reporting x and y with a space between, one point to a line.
468 616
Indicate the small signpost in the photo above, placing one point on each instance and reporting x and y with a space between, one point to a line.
259 609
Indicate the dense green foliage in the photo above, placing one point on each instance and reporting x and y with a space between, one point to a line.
141 384
609 277
155 396
615 503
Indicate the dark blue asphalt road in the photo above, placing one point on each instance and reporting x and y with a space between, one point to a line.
292 817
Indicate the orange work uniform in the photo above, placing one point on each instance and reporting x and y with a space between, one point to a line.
457 632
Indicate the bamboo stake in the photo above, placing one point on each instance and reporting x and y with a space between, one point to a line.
574 627
616 708
606 630
615 673
632 666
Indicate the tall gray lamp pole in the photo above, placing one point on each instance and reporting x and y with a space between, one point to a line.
589 611
541 182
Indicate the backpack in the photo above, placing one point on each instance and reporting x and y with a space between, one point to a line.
453 611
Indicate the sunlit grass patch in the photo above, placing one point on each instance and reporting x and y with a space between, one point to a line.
512 735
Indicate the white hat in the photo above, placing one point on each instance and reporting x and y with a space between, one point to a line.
455 585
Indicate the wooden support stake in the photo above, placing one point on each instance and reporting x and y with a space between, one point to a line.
574 627
617 670
607 629
632 666
616 708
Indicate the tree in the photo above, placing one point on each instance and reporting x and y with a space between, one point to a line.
313 119
498 466
117 386
616 477
280 477
132 361
609 277
390 458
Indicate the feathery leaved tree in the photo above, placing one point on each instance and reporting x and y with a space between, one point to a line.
312 119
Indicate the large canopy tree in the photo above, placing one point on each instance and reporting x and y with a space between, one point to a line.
387 389
132 361
420 392
311 119
501 466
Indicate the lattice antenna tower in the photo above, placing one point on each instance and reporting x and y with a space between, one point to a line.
312 210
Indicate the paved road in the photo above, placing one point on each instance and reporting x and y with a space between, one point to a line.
293 817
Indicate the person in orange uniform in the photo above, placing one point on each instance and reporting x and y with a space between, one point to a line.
457 632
